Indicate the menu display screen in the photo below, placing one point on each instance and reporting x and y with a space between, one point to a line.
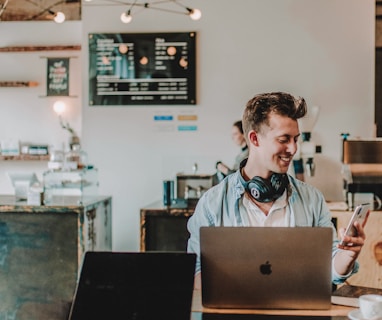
142 69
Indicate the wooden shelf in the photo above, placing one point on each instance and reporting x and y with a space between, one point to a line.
25 84
40 48
25 157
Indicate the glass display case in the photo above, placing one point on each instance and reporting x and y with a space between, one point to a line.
76 183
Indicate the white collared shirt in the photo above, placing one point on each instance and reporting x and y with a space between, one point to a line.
278 216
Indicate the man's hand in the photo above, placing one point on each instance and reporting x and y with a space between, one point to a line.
222 168
345 258
355 243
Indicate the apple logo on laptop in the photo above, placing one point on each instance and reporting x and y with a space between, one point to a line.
266 268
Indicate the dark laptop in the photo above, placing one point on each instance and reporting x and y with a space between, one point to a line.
266 267
134 286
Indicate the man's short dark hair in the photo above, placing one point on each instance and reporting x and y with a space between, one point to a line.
261 105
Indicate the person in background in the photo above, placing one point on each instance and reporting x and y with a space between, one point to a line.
262 193
239 139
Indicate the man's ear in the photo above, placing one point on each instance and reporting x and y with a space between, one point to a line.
253 138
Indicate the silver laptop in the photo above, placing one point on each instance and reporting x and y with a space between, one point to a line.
266 267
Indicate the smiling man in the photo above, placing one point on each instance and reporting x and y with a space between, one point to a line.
261 193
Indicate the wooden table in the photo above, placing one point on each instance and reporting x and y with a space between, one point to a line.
334 311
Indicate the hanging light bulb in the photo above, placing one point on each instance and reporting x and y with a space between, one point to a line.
195 14
126 17
58 17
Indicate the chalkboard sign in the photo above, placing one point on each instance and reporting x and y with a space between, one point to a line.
58 77
142 69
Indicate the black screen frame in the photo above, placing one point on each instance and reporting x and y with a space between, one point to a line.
119 78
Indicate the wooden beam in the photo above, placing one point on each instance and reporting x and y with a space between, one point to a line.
18 84
40 48
25 157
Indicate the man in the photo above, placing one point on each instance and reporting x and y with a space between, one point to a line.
261 193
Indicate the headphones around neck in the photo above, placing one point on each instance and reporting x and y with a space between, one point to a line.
265 190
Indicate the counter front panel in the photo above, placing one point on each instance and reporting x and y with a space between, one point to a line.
41 250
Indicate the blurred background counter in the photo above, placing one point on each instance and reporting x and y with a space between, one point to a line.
41 250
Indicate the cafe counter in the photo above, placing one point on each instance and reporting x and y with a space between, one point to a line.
41 250
164 228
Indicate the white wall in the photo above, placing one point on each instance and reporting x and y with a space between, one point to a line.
322 50
26 114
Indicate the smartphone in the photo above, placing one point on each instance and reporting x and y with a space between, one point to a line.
360 214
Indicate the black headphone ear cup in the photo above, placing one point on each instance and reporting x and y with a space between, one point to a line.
279 181
259 188
267 190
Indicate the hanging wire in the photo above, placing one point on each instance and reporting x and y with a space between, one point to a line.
3 7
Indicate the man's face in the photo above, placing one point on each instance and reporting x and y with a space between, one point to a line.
277 143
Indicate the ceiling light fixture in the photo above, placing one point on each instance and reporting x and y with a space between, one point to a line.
126 17
58 17
160 5
195 14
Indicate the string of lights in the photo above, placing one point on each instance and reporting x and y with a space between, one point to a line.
132 8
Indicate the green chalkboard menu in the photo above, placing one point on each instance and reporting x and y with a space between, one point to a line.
57 77
142 69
